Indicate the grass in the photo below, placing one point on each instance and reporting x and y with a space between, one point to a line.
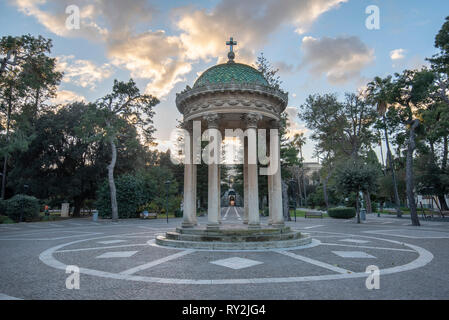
302 213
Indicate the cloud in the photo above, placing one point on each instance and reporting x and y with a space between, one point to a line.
66 96
154 56
294 127
250 22
164 59
341 59
397 54
99 19
83 73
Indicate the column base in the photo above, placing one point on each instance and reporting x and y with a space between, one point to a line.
278 225
245 222
254 226
188 225
213 226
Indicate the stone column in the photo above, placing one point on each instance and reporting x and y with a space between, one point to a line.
245 180
213 206
195 201
270 187
253 190
276 180
219 194
189 206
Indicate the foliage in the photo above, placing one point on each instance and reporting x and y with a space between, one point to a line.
264 66
5 220
130 196
356 176
341 213
23 205
70 161
2 207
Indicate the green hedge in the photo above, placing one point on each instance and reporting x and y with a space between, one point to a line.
5 220
342 213
25 205
2 207
130 196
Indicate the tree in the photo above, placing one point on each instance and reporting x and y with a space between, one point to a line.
299 141
270 74
341 129
28 77
357 176
437 115
65 166
410 94
125 105
379 93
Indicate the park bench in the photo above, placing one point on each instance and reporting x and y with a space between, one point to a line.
310 214
148 215
439 213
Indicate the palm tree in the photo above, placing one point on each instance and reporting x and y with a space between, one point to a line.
299 141
378 93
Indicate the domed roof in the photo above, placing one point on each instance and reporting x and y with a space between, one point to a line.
231 72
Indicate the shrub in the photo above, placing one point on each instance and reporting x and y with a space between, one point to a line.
178 213
130 197
342 213
5 220
2 207
25 205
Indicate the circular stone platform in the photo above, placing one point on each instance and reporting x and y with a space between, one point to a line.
233 237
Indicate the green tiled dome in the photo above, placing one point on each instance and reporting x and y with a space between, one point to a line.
231 72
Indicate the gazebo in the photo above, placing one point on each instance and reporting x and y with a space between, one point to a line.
233 96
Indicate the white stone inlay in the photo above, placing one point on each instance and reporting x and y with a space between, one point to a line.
355 241
111 241
354 254
236 263
117 254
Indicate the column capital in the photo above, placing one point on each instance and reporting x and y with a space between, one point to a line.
251 120
275 124
187 125
212 120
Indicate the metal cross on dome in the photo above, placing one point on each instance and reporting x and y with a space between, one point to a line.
231 43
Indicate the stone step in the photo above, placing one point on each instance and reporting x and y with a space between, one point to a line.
226 230
216 245
232 237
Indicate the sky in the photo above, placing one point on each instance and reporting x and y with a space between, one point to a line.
319 46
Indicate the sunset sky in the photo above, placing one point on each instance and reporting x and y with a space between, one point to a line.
320 46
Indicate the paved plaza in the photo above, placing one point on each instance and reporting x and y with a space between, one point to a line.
121 261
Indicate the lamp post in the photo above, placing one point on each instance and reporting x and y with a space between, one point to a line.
167 186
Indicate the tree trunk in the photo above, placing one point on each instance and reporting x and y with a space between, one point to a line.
326 198
5 164
369 208
77 207
112 187
445 152
393 174
304 187
409 173
357 206
285 204
443 203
